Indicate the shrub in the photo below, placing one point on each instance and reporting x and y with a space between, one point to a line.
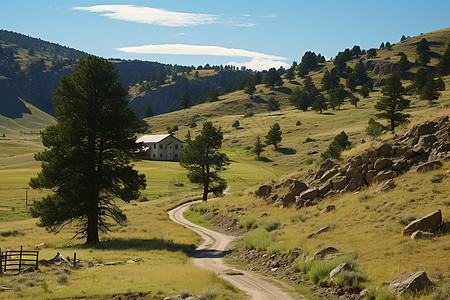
350 278
277 247
309 140
258 239
247 222
249 114
309 161
442 293
184 294
300 217
62 278
142 198
208 294
374 129
298 123
405 220
8 233
270 225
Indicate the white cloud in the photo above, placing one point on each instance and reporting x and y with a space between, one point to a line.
183 49
272 16
244 24
149 15
260 64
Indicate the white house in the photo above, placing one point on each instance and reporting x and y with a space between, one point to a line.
160 147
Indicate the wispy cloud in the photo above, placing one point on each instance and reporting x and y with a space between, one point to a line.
149 15
272 16
259 61
244 24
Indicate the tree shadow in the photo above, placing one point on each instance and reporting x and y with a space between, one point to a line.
258 99
210 253
328 113
287 151
284 90
294 82
141 245
265 159
434 54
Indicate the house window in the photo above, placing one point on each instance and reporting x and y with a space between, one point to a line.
176 146
154 155
160 146
154 146
175 155
170 147
160 155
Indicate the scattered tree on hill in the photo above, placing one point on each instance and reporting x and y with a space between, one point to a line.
430 91
250 88
258 147
392 103
185 100
236 124
404 64
273 136
213 95
172 129
374 129
419 80
443 66
388 46
337 98
320 104
356 51
403 38
339 144
272 78
330 81
353 100
290 74
148 112
202 159
382 45
372 52
309 63
273 104
303 98
88 151
422 50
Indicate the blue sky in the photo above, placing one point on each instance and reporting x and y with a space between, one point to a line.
257 34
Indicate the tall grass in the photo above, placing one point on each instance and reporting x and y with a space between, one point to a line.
258 239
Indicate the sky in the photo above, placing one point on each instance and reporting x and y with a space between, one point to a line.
258 34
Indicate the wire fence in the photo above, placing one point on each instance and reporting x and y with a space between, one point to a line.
16 200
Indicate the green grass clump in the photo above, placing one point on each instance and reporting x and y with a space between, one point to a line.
269 225
247 222
258 239
405 220
277 247
350 278
309 161
299 217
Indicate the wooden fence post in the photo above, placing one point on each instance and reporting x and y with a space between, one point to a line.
6 259
37 259
74 259
20 259
1 266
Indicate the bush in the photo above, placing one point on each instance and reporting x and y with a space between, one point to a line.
62 278
270 225
309 161
309 140
208 294
374 129
405 220
249 114
142 198
277 247
300 217
350 278
184 294
298 123
247 222
258 239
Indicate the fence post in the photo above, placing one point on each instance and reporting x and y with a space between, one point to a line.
74 259
37 259
6 259
20 259
1 266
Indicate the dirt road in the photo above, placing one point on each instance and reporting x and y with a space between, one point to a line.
209 255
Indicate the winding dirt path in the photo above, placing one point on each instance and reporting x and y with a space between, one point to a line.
209 255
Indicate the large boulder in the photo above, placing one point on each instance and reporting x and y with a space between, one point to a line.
382 163
328 174
354 172
385 186
384 175
264 190
428 166
328 164
310 194
409 282
324 252
340 182
422 129
431 223
297 188
342 267
426 141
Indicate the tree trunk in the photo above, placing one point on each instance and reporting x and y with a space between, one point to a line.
92 230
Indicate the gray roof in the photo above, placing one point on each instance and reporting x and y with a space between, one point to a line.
152 138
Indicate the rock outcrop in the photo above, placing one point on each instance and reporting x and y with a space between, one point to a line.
409 282
430 223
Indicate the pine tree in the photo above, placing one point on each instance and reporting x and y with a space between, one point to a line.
250 88
148 112
443 66
354 100
185 100
272 78
320 104
392 103
202 159
258 147
88 151
422 50
273 136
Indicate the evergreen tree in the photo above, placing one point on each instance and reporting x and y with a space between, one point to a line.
185 100
273 136
403 64
236 124
337 98
290 74
422 50
272 78
443 66
258 147
148 112
374 129
213 95
273 104
202 159
388 46
250 88
372 52
430 91
382 45
353 100
88 151
319 104
419 80
392 103
339 144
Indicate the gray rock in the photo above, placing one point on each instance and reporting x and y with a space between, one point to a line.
328 174
328 209
382 163
419 234
409 282
310 194
431 223
324 252
385 186
429 166
342 267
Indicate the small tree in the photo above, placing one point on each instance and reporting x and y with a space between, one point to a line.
250 88
258 147
339 143
422 49
372 52
213 95
273 136
320 104
392 103
272 78
236 124
430 91
290 74
443 66
202 159
185 100
148 112
374 129
353 100
273 104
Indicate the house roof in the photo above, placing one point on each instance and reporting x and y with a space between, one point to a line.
153 138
